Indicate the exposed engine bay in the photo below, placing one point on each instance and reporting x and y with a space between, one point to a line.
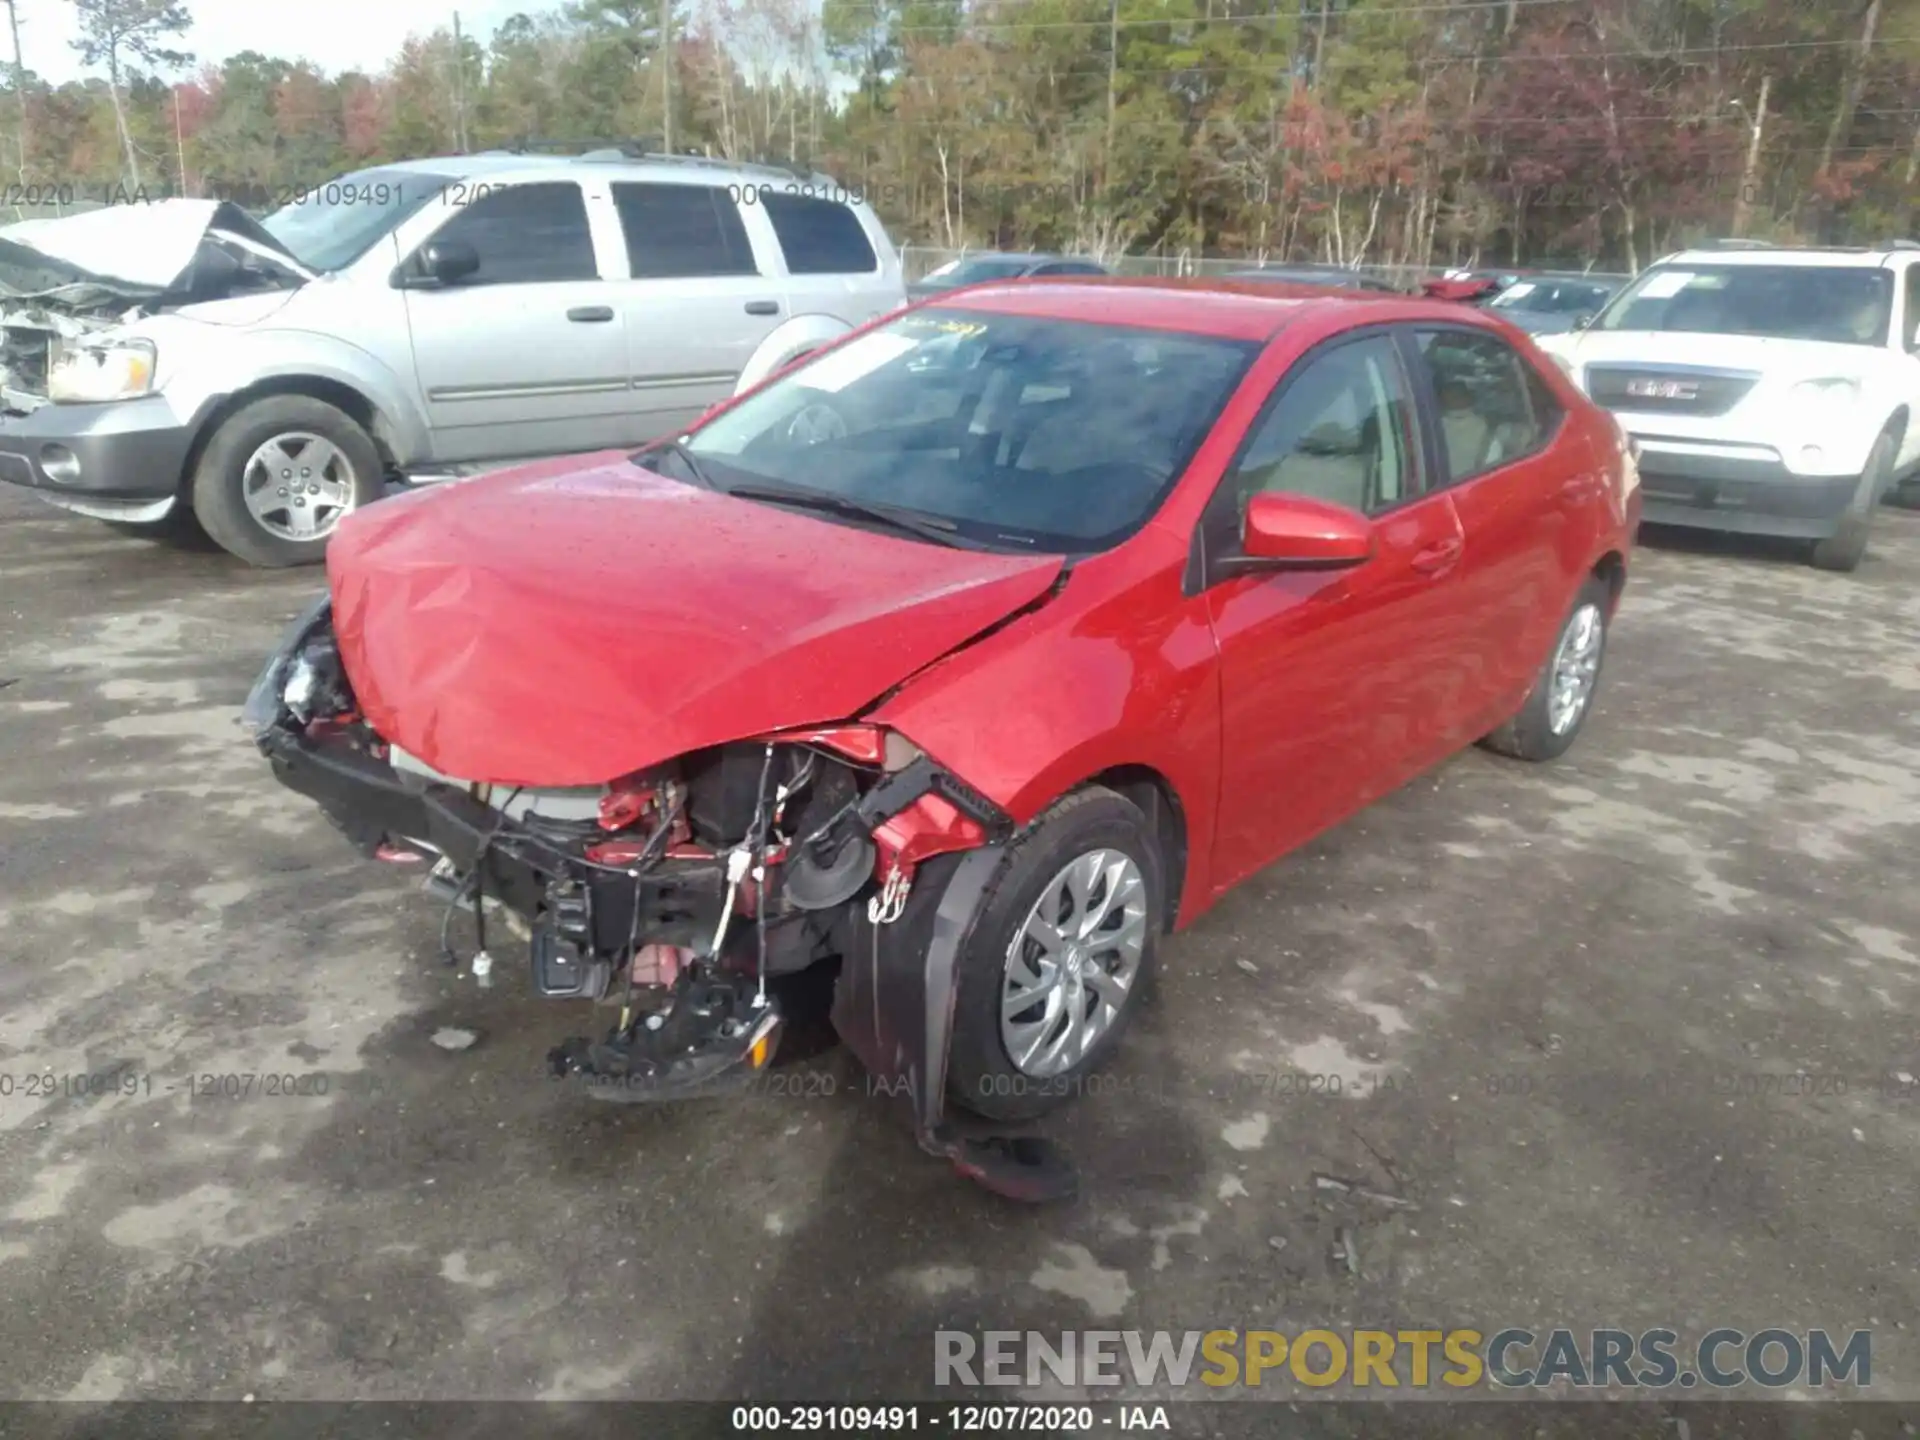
67 279
671 896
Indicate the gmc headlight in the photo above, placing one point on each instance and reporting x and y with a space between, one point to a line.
1829 390
94 374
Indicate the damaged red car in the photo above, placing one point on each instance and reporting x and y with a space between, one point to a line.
971 656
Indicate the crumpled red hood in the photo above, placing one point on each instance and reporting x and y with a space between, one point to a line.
573 621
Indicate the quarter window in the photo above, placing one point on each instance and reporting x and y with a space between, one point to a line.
1493 410
1341 431
682 231
819 237
527 235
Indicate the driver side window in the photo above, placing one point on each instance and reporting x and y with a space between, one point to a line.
527 235
1340 431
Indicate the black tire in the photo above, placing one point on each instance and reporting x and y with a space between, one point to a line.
218 480
1843 550
981 1076
1530 735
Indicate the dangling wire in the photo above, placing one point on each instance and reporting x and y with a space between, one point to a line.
473 884
762 823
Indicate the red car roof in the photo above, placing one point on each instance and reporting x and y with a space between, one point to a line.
1222 309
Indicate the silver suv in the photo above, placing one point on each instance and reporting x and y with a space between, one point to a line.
177 361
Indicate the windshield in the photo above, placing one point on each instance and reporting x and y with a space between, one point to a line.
1552 297
1016 432
1839 305
333 225
972 272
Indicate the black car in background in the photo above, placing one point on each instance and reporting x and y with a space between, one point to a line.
1546 304
999 265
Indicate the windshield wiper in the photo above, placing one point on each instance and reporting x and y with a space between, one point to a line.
921 527
672 446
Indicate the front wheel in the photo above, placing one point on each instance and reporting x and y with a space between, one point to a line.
278 477
1054 969
1843 550
1557 706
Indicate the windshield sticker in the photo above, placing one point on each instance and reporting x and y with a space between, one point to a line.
833 373
943 327
1667 285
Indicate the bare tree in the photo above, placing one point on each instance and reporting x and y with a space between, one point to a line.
116 32
19 81
1750 172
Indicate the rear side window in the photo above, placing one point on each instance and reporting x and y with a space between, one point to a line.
1492 408
819 236
682 231
527 235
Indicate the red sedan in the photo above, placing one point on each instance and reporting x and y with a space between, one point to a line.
972 655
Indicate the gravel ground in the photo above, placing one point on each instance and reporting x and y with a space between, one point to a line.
1551 998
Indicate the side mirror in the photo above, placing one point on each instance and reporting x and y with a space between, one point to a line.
441 262
1297 532
1581 322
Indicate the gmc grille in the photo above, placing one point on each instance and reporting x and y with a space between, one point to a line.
1667 391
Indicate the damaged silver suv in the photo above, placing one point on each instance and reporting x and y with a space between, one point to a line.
179 363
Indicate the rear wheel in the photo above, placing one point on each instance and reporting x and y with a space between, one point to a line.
1847 547
1055 967
280 474
1557 706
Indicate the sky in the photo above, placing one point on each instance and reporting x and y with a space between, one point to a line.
336 35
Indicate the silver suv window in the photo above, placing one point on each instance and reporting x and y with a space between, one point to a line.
681 231
819 237
333 225
527 234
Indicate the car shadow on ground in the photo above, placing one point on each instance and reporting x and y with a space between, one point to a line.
1683 540
961 1249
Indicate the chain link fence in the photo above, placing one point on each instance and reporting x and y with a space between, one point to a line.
918 260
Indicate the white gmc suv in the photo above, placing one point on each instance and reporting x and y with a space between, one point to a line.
1771 391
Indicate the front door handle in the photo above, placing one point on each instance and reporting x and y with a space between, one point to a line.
590 314
763 307
1440 558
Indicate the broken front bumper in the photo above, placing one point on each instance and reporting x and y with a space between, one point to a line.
897 985
119 461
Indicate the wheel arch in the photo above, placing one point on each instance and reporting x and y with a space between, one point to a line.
1156 798
1612 568
789 341
358 406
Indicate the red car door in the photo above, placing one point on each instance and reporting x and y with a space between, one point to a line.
1329 681
1495 425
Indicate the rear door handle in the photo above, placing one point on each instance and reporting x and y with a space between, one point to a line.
590 314
1440 558
763 307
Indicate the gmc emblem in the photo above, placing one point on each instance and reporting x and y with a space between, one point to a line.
1663 389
